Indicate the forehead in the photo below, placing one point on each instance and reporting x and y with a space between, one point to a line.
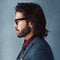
19 15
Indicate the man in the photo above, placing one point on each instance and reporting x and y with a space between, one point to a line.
30 23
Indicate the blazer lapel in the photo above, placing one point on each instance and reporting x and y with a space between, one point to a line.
30 45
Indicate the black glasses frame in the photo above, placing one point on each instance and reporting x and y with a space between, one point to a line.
20 19
16 20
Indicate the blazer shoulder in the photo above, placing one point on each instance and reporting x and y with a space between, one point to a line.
38 42
41 49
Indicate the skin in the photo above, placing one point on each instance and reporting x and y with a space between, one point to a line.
22 29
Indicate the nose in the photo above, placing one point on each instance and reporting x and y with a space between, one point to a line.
14 25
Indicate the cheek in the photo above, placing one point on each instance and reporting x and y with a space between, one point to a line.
21 26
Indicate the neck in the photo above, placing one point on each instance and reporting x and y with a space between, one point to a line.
27 37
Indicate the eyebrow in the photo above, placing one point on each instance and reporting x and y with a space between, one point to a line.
20 19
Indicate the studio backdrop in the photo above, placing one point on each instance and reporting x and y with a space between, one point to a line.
10 44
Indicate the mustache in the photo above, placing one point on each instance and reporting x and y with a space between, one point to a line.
17 29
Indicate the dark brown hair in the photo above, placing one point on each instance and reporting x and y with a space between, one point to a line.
34 13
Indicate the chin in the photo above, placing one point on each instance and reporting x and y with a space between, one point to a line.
20 36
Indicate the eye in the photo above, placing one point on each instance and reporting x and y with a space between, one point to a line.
16 22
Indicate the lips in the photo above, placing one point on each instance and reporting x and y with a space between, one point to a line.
17 30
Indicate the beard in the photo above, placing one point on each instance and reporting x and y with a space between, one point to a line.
24 32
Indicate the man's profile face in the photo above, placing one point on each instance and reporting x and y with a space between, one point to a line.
21 26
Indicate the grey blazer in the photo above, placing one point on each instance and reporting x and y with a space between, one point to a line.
38 49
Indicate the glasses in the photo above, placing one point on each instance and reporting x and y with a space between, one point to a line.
17 20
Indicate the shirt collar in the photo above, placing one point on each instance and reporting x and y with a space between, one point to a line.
27 42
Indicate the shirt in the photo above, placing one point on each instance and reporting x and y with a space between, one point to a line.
27 42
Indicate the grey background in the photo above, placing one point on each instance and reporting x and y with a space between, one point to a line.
10 44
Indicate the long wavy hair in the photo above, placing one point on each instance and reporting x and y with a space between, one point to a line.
34 13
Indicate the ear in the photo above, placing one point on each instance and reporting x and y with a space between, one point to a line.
30 24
